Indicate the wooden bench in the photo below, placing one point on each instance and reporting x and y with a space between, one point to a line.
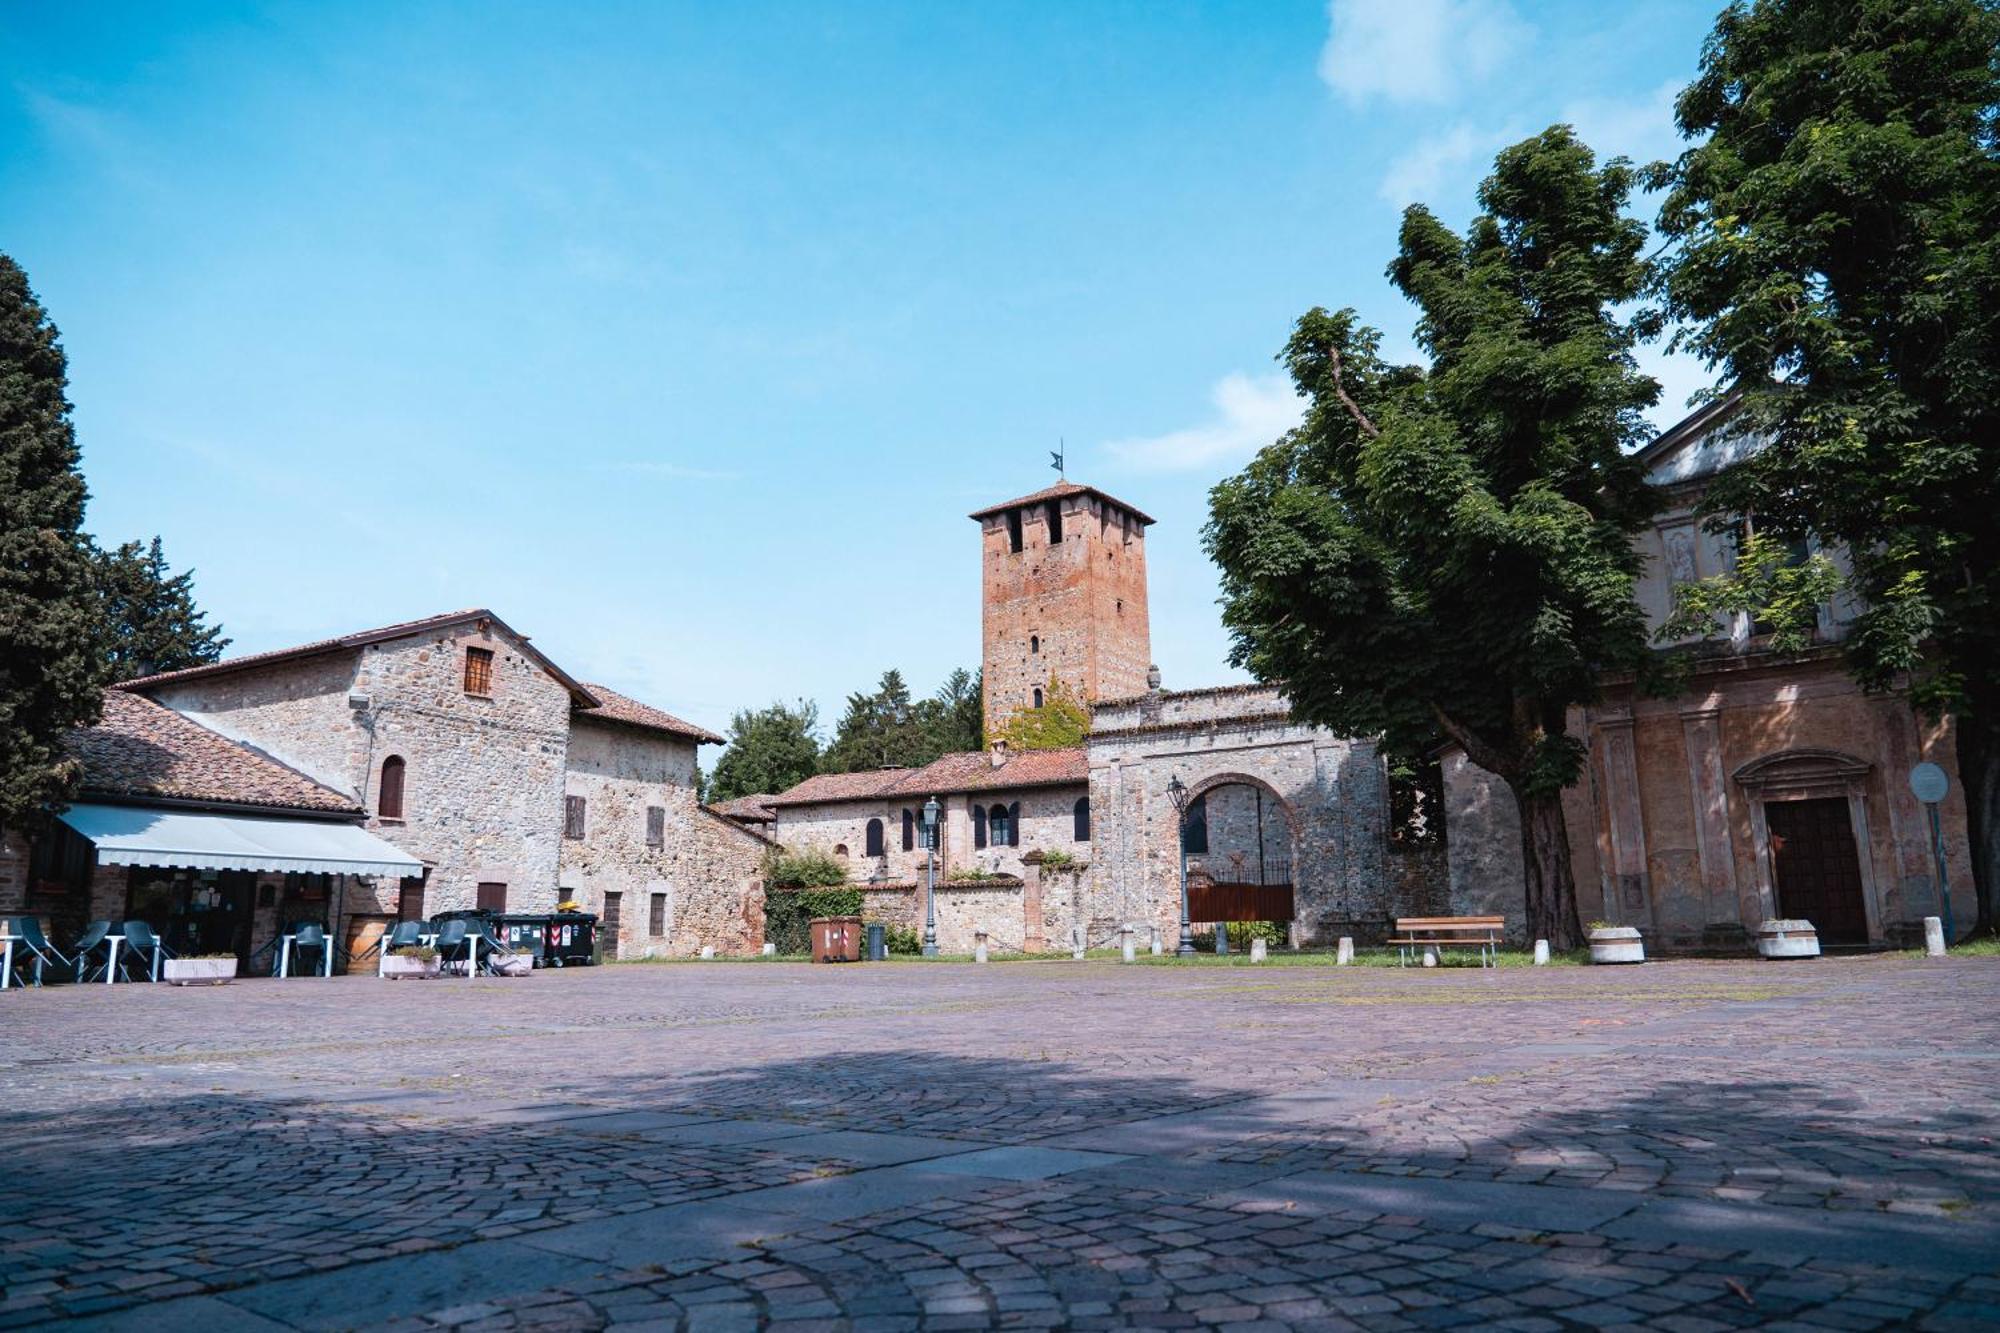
1445 932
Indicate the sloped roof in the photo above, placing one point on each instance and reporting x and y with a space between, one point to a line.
754 809
141 749
402 630
823 787
1057 492
973 770
615 707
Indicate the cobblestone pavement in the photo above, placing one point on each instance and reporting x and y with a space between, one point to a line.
1684 1146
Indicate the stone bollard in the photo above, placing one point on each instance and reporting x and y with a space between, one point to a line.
708 951
1125 949
978 946
1292 933
1934 937
1257 950
1541 953
1430 957
770 949
1345 955
1076 941
1222 937
1156 941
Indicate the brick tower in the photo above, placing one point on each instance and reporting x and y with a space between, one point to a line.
1063 578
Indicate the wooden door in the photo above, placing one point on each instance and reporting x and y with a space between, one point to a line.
1817 869
491 898
614 905
410 899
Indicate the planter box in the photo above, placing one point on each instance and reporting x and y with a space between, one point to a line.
398 968
1617 944
1787 939
198 971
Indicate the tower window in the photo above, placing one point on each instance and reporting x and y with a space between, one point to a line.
1054 512
1014 531
1038 696
1034 643
389 796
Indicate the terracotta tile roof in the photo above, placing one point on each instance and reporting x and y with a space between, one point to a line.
141 749
974 771
401 630
753 809
1056 492
616 707
822 787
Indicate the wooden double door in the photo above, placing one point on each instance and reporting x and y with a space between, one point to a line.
1818 867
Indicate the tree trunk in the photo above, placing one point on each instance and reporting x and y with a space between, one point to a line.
1545 864
1978 731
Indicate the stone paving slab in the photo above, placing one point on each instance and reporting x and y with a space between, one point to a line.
1681 1147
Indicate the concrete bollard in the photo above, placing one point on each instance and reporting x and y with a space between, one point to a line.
1541 953
1430 957
1934 936
1076 941
1126 950
1156 941
708 951
1257 950
770 949
1222 937
1345 955
978 946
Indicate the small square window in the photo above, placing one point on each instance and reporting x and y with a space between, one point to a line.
656 828
479 671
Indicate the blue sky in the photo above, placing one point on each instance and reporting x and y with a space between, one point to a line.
685 335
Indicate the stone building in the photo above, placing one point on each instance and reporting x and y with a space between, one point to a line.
1286 822
1772 787
467 748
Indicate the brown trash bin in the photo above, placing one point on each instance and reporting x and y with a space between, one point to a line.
836 939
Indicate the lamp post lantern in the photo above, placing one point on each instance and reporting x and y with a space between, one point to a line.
930 877
1177 792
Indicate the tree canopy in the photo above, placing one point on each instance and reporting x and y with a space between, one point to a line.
1444 551
770 750
1835 254
51 664
150 619
886 728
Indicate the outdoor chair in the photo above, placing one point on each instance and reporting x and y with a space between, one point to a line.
308 935
89 945
453 943
31 945
143 950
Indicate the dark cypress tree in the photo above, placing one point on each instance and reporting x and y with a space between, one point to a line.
51 662
151 621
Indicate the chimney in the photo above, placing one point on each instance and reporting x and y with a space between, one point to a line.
999 754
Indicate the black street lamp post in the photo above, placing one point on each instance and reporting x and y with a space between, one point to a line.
930 877
1177 792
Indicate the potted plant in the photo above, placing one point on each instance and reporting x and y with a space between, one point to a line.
202 969
414 960
1615 944
1787 939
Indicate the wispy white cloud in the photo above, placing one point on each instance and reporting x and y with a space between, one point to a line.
1417 50
1250 412
1438 163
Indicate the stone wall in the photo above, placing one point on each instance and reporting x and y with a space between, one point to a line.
707 872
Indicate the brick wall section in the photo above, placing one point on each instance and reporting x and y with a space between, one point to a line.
707 870
1083 599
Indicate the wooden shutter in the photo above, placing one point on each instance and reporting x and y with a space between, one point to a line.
656 923
978 826
389 795
573 814
1014 824
909 831
492 898
656 828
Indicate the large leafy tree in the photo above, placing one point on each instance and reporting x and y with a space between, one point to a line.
151 620
955 715
770 750
1835 248
1445 550
880 729
51 667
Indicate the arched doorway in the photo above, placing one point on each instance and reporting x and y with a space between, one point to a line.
1239 840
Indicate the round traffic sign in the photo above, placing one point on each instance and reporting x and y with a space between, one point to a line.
1929 783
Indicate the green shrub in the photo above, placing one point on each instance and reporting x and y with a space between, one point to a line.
789 913
1242 932
803 870
1059 863
904 939
423 952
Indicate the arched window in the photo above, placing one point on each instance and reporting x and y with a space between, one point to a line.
875 847
389 795
1038 696
1079 815
909 829
1034 643
1194 837
1002 826
978 826
840 851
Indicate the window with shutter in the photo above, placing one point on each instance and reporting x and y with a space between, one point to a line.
909 830
573 815
656 915
479 671
492 898
656 827
978 826
389 795
874 838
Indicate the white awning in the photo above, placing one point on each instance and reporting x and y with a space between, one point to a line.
135 836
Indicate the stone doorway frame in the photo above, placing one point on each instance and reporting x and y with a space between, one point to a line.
1804 774
1294 828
